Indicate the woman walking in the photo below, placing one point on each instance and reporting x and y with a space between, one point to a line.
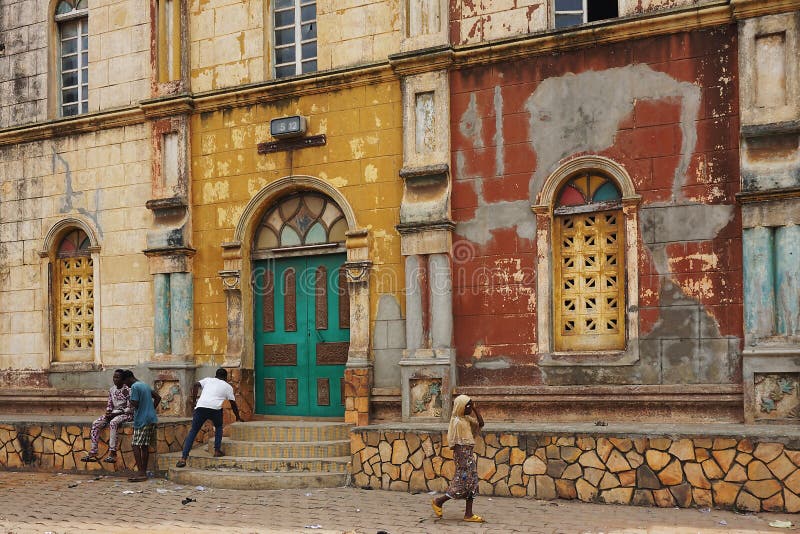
461 439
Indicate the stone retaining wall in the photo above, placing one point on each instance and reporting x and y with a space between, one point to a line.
731 472
60 445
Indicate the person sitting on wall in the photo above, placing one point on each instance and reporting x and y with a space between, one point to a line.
118 411
209 406
144 422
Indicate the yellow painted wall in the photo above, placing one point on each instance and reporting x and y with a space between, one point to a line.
362 158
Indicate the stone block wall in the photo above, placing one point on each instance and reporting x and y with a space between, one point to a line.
729 471
118 50
60 445
102 179
232 41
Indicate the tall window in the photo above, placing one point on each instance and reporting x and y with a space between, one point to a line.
588 261
74 286
73 56
574 12
295 23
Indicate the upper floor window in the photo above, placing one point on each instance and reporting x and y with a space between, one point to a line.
295 24
574 12
72 19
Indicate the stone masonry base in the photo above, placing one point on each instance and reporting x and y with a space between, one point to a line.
57 443
751 468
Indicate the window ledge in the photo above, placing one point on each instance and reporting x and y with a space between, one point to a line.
600 358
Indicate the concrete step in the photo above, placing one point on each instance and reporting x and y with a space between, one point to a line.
201 459
239 479
284 449
274 431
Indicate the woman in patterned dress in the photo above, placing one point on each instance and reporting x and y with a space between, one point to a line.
461 439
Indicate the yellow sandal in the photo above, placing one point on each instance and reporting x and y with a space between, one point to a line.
474 518
436 508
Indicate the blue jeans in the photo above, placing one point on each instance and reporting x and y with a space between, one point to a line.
200 416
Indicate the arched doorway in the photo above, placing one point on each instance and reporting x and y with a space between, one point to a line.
301 307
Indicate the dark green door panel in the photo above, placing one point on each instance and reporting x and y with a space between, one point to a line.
301 335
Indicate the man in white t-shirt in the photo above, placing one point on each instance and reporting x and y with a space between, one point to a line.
209 406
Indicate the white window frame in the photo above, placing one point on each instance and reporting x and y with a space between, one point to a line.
584 13
81 16
298 38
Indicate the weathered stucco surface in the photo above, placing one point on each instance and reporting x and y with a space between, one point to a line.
119 51
104 179
361 159
665 109
232 40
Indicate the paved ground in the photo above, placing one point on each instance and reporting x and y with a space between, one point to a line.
41 503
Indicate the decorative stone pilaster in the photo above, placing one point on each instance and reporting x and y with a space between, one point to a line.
232 286
358 373
770 200
427 368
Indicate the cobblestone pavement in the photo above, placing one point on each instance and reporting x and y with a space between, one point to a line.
59 503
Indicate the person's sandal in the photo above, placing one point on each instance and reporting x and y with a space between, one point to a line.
474 518
90 458
111 459
436 508
181 463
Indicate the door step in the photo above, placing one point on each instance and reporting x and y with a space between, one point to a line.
269 455
202 459
264 480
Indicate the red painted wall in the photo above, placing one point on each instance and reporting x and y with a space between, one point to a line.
494 279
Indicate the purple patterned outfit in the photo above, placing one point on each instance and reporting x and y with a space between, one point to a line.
119 407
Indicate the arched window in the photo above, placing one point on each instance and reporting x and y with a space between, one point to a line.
72 20
299 220
74 298
588 265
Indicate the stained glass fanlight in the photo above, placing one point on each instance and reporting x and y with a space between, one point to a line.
586 189
75 243
299 220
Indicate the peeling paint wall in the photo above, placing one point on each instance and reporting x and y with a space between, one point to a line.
103 178
119 51
475 21
666 109
232 40
362 159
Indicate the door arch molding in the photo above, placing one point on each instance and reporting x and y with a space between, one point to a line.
237 261
265 198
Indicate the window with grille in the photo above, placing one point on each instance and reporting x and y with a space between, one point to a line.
74 296
588 260
72 22
574 12
295 45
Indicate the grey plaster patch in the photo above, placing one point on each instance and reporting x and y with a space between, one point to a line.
688 222
599 101
494 363
388 342
499 139
679 360
470 124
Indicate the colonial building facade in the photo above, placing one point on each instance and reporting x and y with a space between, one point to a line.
569 210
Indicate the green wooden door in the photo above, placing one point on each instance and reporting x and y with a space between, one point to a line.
302 334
